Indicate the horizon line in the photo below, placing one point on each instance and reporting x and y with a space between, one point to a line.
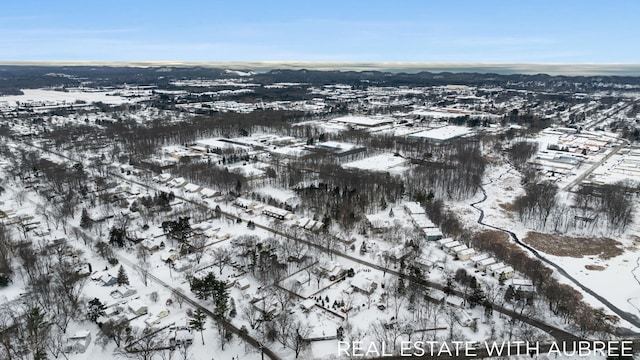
569 69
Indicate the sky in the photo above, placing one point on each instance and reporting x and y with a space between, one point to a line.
487 31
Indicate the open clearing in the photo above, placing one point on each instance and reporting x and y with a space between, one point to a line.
559 245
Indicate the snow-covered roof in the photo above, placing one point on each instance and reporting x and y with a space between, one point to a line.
276 211
479 257
137 305
80 334
451 244
308 304
443 133
465 252
190 187
496 266
206 192
413 207
363 283
487 261
363 120
444 241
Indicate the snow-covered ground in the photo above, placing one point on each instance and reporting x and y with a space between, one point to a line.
51 97
383 162
502 187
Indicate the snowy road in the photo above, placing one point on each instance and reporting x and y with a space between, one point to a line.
558 334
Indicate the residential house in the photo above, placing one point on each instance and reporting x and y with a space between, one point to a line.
504 273
138 307
108 280
433 234
465 254
444 241
277 213
183 337
482 264
78 342
209 193
331 270
522 285
479 257
450 245
363 284
192 188
242 284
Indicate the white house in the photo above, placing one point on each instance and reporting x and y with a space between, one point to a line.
413 208
450 245
137 307
242 284
505 272
464 318
433 234
192 188
78 342
363 284
209 193
523 285
183 337
495 266
441 242
465 254
477 258
177 182
482 264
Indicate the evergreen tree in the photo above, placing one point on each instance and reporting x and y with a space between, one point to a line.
448 289
197 320
117 236
221 299
85 220
123 279
95 309
477 297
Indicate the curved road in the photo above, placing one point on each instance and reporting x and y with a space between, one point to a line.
631 318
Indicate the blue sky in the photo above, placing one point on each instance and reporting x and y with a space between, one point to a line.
340 31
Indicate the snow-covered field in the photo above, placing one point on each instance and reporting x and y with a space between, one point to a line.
48 97
502 187
383 162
